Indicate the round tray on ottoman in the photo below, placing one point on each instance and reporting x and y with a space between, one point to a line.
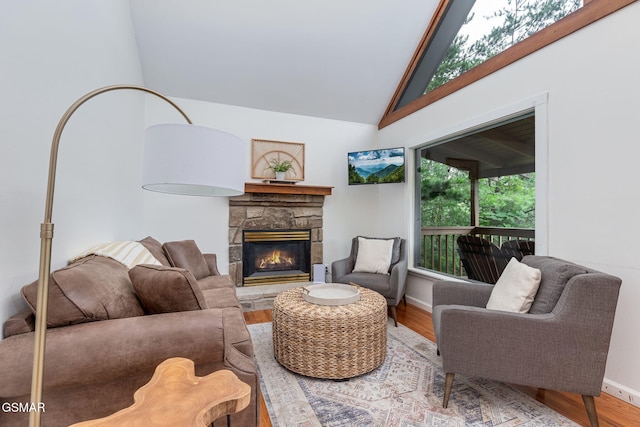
330 341
331 294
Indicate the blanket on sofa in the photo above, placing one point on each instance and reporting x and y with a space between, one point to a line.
126 252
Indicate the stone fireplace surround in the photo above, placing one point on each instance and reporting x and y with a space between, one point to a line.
266 206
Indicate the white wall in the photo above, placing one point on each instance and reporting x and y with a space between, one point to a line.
52 54
591 81
349 210
57 52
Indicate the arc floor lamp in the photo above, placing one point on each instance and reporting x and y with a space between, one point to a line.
178 159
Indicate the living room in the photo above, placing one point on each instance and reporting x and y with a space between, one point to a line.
54 52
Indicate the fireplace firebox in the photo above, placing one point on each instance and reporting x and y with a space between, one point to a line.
275 256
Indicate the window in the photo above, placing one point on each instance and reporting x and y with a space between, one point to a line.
435 53
443 54
473 31
491 27
481 182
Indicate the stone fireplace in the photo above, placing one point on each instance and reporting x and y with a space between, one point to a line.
269 219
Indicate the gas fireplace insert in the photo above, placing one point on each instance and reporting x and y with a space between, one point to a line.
275 256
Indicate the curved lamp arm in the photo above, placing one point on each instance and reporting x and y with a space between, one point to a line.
65 118
46 236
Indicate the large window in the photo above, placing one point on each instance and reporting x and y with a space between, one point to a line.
470 39
481 183
471 32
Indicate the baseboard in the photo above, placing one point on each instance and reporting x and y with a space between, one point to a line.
621 392
419 303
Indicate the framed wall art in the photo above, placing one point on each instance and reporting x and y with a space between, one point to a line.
269 157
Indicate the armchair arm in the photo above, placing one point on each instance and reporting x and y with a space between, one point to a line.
447 292
399 278
212 263
341 268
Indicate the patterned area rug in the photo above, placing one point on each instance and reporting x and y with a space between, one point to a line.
405 391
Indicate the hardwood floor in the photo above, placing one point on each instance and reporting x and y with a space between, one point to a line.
252 317
612 412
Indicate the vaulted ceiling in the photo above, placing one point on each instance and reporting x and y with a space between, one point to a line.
337 59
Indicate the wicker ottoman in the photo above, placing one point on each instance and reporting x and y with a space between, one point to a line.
334 342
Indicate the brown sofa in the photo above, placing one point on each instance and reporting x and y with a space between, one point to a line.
110 326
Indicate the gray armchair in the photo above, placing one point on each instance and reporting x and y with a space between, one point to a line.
390 285
561 344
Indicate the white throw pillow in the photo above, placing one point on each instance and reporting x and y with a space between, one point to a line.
374 255
515 289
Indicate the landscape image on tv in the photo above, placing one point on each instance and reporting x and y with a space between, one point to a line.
376 166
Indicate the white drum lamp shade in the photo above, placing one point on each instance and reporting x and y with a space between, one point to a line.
193 160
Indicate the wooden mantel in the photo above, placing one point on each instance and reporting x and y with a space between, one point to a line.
270 188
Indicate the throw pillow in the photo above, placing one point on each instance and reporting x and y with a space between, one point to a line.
164 289
186 254
155 247
515 289
395 254
93 288
374 255
556 273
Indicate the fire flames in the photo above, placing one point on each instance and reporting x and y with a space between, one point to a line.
275 260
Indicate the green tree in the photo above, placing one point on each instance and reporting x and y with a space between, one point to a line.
445 195
393 174
517 21
508 201
373 178
455 62
354 176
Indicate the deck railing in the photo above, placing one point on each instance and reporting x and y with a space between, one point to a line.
439 252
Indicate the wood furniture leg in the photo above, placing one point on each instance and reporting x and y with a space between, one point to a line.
448 383
394 315
590 406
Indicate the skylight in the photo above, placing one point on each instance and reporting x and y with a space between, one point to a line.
471 32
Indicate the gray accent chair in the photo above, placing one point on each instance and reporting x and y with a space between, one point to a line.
561 344
390 285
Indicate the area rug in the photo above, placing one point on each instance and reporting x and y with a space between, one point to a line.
405 391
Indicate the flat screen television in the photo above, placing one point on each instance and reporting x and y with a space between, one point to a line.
376 166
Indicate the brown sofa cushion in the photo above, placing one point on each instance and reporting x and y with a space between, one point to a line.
90 289
216 282
156 250
186 254
164 289
555 275
221 298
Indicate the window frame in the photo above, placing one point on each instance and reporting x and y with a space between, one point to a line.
538 105
591 11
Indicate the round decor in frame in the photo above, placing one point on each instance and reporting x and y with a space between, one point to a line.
265 153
